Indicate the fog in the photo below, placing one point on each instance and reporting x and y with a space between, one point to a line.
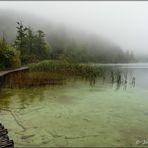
124 22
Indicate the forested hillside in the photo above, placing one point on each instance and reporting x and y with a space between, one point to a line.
36 39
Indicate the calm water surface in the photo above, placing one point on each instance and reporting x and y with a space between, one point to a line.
77 114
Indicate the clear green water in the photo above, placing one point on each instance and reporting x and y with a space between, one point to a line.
76 114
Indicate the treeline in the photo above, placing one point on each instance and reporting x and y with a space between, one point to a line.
32 46
28 47
78 46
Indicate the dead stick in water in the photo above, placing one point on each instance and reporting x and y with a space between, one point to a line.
13 115
66 137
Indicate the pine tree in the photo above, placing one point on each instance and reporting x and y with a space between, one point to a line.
29 40
20 42
41 49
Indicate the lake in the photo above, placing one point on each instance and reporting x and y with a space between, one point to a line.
77 114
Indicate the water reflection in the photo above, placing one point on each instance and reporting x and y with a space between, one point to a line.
52 104
4 98
119 78
115 75
123 79
9 98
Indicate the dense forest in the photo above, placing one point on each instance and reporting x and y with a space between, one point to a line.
24 42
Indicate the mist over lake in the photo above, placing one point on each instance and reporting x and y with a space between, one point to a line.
73 74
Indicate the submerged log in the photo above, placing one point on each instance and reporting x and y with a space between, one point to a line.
4 139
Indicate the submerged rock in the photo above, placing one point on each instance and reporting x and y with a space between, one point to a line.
138 142
27 136
145 142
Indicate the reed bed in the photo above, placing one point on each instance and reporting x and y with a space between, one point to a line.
52 72
27 79
66 68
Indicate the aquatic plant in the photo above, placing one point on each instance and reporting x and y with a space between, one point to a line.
65 68
27 79
51 72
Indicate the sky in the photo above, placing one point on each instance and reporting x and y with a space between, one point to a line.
123 22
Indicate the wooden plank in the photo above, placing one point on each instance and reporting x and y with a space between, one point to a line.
4 139
3 73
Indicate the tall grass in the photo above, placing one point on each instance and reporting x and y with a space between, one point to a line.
27 79
52 72
65 68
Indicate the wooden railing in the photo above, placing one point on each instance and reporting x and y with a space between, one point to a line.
3 73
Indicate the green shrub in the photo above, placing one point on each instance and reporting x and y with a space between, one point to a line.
9 56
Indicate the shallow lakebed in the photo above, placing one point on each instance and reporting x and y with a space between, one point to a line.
77 114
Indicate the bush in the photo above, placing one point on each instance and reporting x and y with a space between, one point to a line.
9 56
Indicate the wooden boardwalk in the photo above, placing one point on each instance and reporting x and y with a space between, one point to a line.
3 73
